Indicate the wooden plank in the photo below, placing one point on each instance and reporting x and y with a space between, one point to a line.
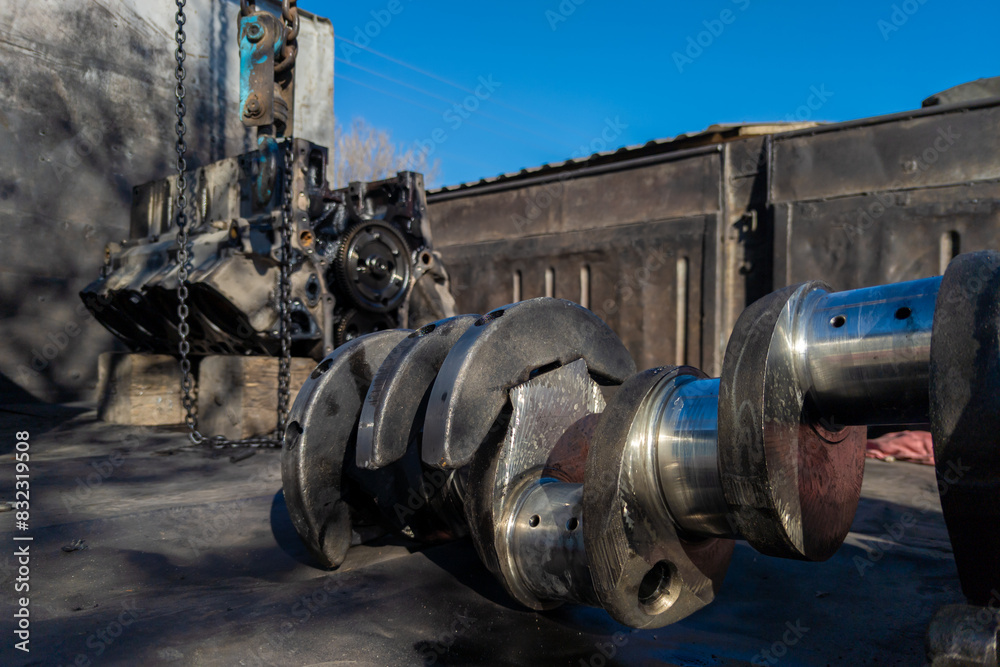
139 389
238 396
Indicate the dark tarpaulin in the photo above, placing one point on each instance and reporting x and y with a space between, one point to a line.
187 558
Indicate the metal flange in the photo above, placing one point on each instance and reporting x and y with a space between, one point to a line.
393 409
644 574
792 485
518 494
965 417
317 442
504 348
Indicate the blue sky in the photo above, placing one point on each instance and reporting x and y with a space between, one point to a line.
544 80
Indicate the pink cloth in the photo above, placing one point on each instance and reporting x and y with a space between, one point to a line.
914 446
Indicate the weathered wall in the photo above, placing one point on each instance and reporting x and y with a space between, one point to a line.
597 240
86 112
671 249
876 202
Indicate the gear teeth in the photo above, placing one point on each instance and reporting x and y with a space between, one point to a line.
355 323
391 245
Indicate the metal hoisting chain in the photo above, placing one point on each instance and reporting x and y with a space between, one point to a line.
290 16
284 296
183 241
184 270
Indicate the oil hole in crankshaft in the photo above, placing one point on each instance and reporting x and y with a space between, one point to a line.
655 595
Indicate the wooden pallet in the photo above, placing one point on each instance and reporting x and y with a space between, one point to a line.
139 389
237 395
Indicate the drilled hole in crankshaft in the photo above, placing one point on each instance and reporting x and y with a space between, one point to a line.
655 595
423 331
293 433
323 367
489 317
838 321
534 520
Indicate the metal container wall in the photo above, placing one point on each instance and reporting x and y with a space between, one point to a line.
669 242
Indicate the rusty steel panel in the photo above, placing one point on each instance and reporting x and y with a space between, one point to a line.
741 244
632 272
881 238
858 203
927 148
688 186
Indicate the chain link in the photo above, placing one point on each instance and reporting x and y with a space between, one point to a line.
289 45
284 296
184 253
183 239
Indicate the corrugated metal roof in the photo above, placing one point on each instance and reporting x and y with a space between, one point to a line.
713 134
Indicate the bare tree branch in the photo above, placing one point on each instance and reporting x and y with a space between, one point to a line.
363 152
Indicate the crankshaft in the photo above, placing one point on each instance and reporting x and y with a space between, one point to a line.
580 480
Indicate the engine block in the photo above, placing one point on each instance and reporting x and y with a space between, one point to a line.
362 259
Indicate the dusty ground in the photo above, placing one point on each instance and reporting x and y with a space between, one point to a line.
190 559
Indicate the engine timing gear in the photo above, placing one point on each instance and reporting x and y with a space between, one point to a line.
356 323
374 266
